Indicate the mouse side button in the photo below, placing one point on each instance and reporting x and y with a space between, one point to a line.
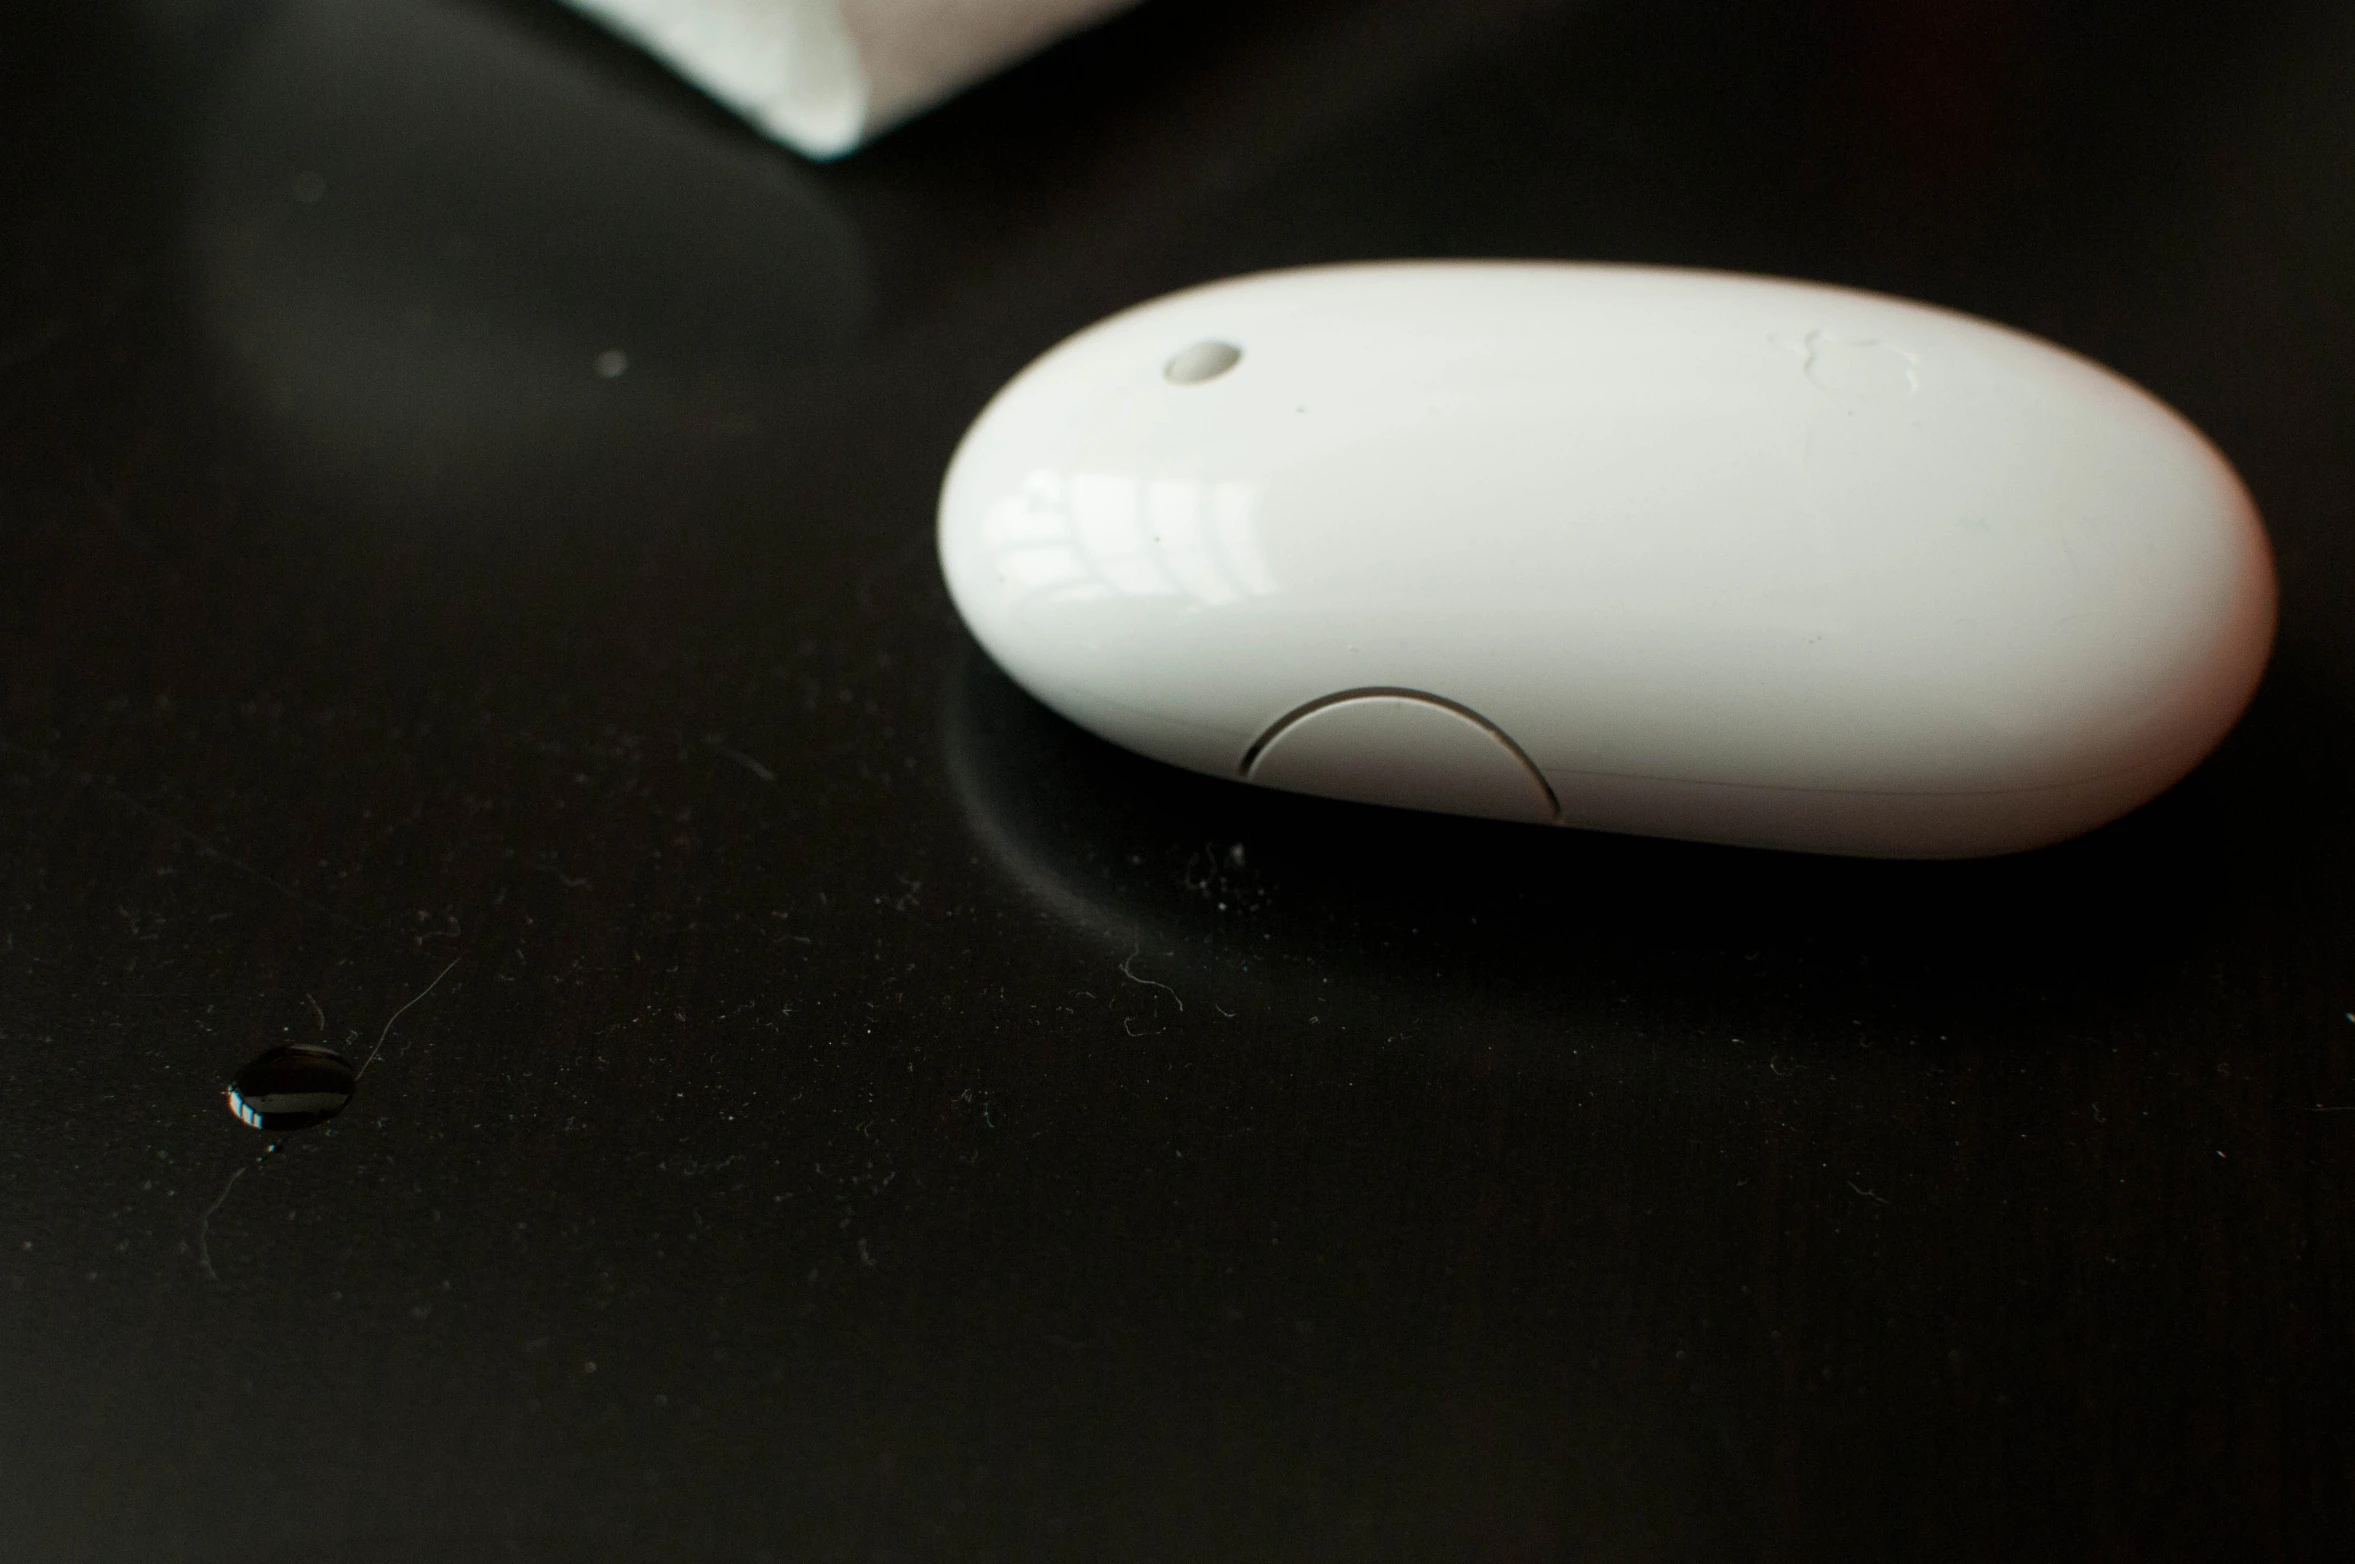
1404 749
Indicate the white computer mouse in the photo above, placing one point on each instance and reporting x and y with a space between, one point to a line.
1679 553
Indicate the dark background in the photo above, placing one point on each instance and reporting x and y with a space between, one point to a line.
870 1119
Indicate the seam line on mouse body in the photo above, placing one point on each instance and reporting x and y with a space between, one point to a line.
1400 692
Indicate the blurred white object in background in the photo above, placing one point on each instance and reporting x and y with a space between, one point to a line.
825 75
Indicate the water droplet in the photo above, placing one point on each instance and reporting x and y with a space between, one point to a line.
292 1088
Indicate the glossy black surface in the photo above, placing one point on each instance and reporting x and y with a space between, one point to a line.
869 1119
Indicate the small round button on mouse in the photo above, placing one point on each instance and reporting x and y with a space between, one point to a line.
1203 361
1405 749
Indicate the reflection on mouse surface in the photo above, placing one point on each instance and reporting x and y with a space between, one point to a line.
1675 553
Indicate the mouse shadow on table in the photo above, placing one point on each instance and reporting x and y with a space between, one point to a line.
1132 850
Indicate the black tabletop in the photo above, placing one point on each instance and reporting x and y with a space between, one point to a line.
467 600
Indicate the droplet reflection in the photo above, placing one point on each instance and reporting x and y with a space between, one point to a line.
292 1088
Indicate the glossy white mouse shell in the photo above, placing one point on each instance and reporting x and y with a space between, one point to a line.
1677 553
